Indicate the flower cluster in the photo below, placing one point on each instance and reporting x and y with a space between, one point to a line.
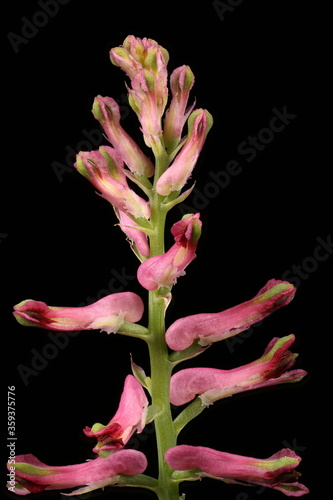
142 192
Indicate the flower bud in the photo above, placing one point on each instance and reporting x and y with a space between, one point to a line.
148 100
106 111
176 176
181 83
104 169
137 237
137 53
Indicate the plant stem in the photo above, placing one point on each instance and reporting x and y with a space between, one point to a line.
159 358
160 390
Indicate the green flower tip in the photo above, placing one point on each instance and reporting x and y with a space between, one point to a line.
32 470
97 427
24 321
277 464
278 344
81 167
275 290
96 109
194 115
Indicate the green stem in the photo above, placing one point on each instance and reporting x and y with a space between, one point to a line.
159 358
160 389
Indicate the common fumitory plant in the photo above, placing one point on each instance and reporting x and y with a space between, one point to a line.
142 188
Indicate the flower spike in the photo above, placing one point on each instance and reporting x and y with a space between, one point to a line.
212 327
107 314
142 192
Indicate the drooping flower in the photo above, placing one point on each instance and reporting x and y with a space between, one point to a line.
213 384
105 170
181 83
176 175
33 476
129 418
277 472
106 314
138 238
212 327
163 270
107 112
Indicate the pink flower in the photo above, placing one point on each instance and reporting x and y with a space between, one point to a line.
105 170
148 100
213 384
138 238
277 472
33 476
212 327
163 270
176 176
106 111
129 418
181 83
107 314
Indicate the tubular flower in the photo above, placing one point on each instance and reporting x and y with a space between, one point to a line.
277 472
105 170
163 270
212 327
175 177
106 111
107 314
149 103
138 238
33 476
214 384
181 83
129 418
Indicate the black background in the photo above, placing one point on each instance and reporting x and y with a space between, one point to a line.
59 243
